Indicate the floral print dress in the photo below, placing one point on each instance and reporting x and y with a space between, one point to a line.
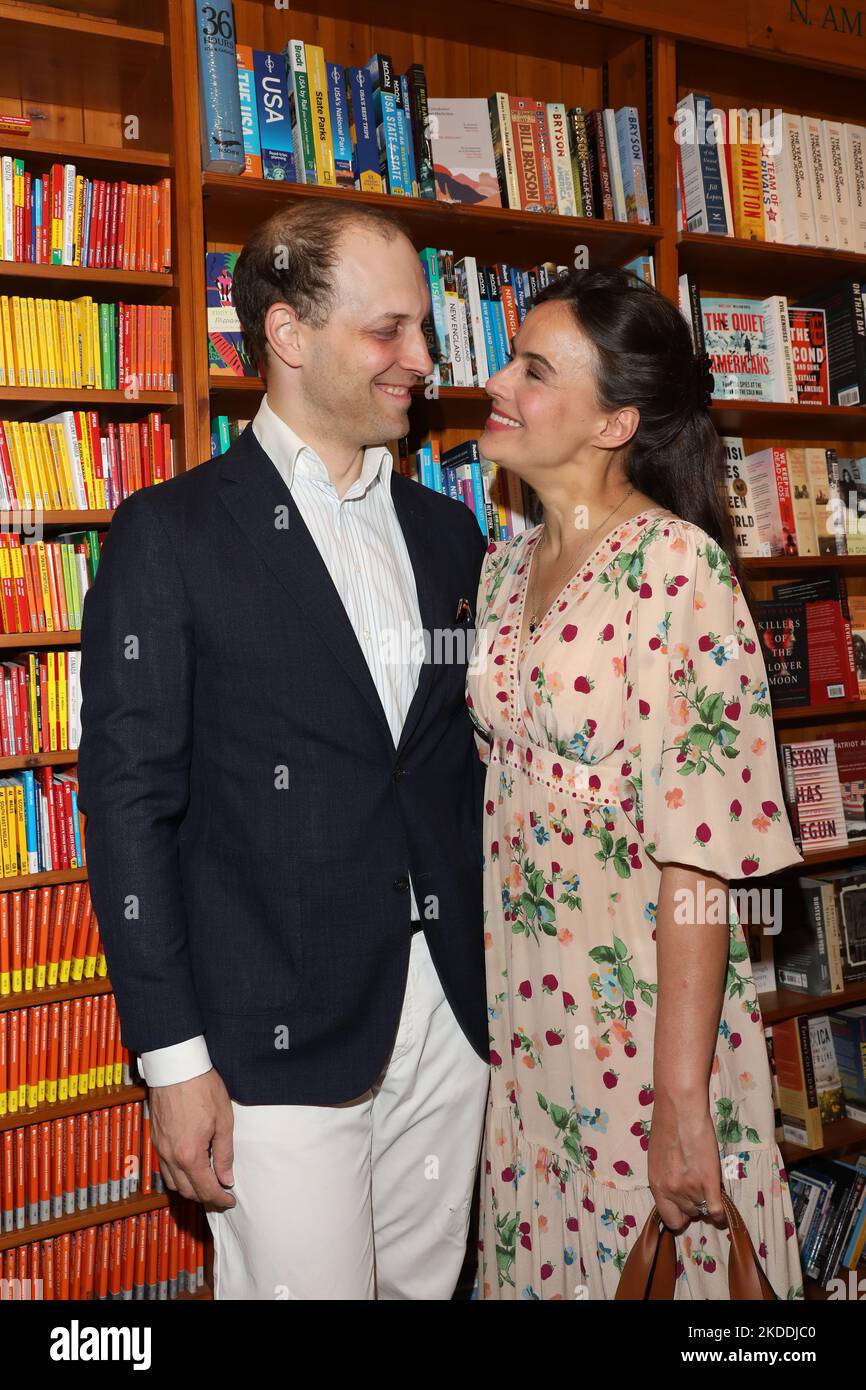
634 730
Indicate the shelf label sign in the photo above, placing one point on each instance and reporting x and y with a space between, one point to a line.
825 30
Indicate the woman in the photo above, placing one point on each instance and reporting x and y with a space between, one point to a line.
620 702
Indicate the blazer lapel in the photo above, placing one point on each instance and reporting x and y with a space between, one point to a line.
293 556
257 498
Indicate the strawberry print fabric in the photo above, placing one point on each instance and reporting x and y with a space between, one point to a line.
634 730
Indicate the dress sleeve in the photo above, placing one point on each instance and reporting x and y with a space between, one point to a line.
699 728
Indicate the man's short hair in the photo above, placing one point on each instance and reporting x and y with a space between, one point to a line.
289 259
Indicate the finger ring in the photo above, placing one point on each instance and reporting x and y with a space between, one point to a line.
702 1208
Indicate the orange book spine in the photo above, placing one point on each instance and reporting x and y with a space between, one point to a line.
63 1071
173 1252
41 900
4 1065
7 1198
96 1142
87 1286
20 1176
104 1156
114 1158
125 1186
32 1161
84 1086
74 1048
53 1067
69 1166
58 1131
17 945
83 1161
28 912
130 1237
140 1268
135 1148
164 1244
146 1151
12 1074
104 1241
44 1051
45 1170
152 1272
34 1024
115 1270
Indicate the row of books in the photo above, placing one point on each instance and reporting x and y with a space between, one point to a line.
293 116
72 462
52 343
815 944
40 830
49 936
156 1256
825 792
817 1077
64 218
812 353
502 503
795 501
796 180
829 1197
43 583
58 1167
52 1053
40 703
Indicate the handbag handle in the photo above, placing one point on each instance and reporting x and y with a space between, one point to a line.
650 1270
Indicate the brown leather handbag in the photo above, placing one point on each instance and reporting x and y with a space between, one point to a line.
650 1270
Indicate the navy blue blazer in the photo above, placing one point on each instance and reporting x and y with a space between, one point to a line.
250 824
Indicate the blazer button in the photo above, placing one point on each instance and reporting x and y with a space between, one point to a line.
398 773
401 885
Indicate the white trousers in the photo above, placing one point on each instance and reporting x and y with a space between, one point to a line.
371 1198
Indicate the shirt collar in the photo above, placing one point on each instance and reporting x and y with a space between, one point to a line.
295 459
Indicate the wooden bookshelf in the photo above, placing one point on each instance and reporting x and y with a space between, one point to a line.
81 72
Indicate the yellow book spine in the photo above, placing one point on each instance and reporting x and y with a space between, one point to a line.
48 375
52 315
97 354
17 975
33 332
18 455
8 348
61 463
28 345
64 364
747 195
21 822
62 701
3 381
12 822
5 555
42 559
46 466
17 560
33 664
83 306
32 463
19 344
87 465
74 341
52 702
326 169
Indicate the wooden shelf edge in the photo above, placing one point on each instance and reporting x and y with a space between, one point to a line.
80 1220
93 1100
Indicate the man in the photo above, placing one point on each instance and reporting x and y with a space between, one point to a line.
284 801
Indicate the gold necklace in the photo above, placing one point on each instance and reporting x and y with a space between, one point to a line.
533 616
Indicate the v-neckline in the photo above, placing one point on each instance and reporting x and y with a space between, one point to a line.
529 552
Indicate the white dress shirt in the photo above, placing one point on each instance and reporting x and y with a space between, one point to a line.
360 539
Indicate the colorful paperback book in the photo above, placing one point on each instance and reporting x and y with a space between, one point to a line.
463 159
275 124
222 137
737 338
227 351
809 348
249 112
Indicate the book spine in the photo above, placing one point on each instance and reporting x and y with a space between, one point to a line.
222 138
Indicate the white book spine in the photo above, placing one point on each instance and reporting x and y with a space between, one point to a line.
566 203
694 198
770 193
68 214
840 189
463 325
819 181
800 182
476 318
8 210
855 139
779 338
721 129
619 211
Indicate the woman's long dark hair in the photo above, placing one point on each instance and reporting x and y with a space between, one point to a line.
646 359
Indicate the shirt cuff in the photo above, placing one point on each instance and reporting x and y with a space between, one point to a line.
165 1066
